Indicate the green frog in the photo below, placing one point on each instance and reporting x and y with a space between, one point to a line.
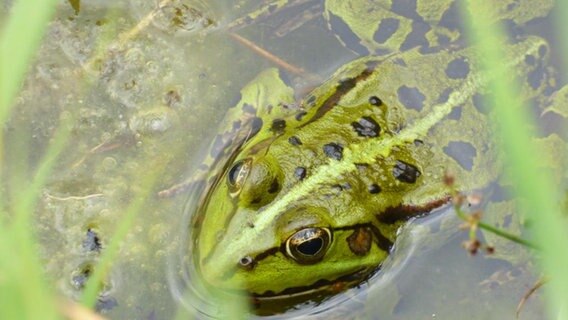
303 195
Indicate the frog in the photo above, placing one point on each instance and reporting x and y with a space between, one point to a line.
308 195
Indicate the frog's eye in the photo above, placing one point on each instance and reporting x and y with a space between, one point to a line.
238 174
308 245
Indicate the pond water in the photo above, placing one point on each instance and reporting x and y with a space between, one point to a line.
146 84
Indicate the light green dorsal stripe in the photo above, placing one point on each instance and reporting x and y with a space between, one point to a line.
367 152
230 251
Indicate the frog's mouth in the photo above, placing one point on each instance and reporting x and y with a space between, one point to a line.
321 287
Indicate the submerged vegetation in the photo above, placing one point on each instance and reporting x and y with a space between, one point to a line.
27 293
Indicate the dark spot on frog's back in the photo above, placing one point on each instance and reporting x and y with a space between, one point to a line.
375 101
344 32
366 127
463 152
457 68
274 186
278 125
333 150
300 115
300 173
405 172
295 141
411 97
387 27
311 100
374 188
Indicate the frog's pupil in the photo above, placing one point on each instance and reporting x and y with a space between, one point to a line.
310 247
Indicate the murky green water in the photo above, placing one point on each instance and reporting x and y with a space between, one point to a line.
149 105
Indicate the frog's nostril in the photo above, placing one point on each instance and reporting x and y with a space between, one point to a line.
247 263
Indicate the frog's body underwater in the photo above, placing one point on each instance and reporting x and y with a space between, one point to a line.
311 193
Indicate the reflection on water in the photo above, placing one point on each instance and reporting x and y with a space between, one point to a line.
150 100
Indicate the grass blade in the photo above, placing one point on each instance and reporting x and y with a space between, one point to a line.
24 293
541 197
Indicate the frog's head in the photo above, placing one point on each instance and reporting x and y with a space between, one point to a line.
250 240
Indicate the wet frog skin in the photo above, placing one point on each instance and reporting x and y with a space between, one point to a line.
314 192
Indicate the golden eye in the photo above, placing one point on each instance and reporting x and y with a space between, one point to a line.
238 174
308 245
